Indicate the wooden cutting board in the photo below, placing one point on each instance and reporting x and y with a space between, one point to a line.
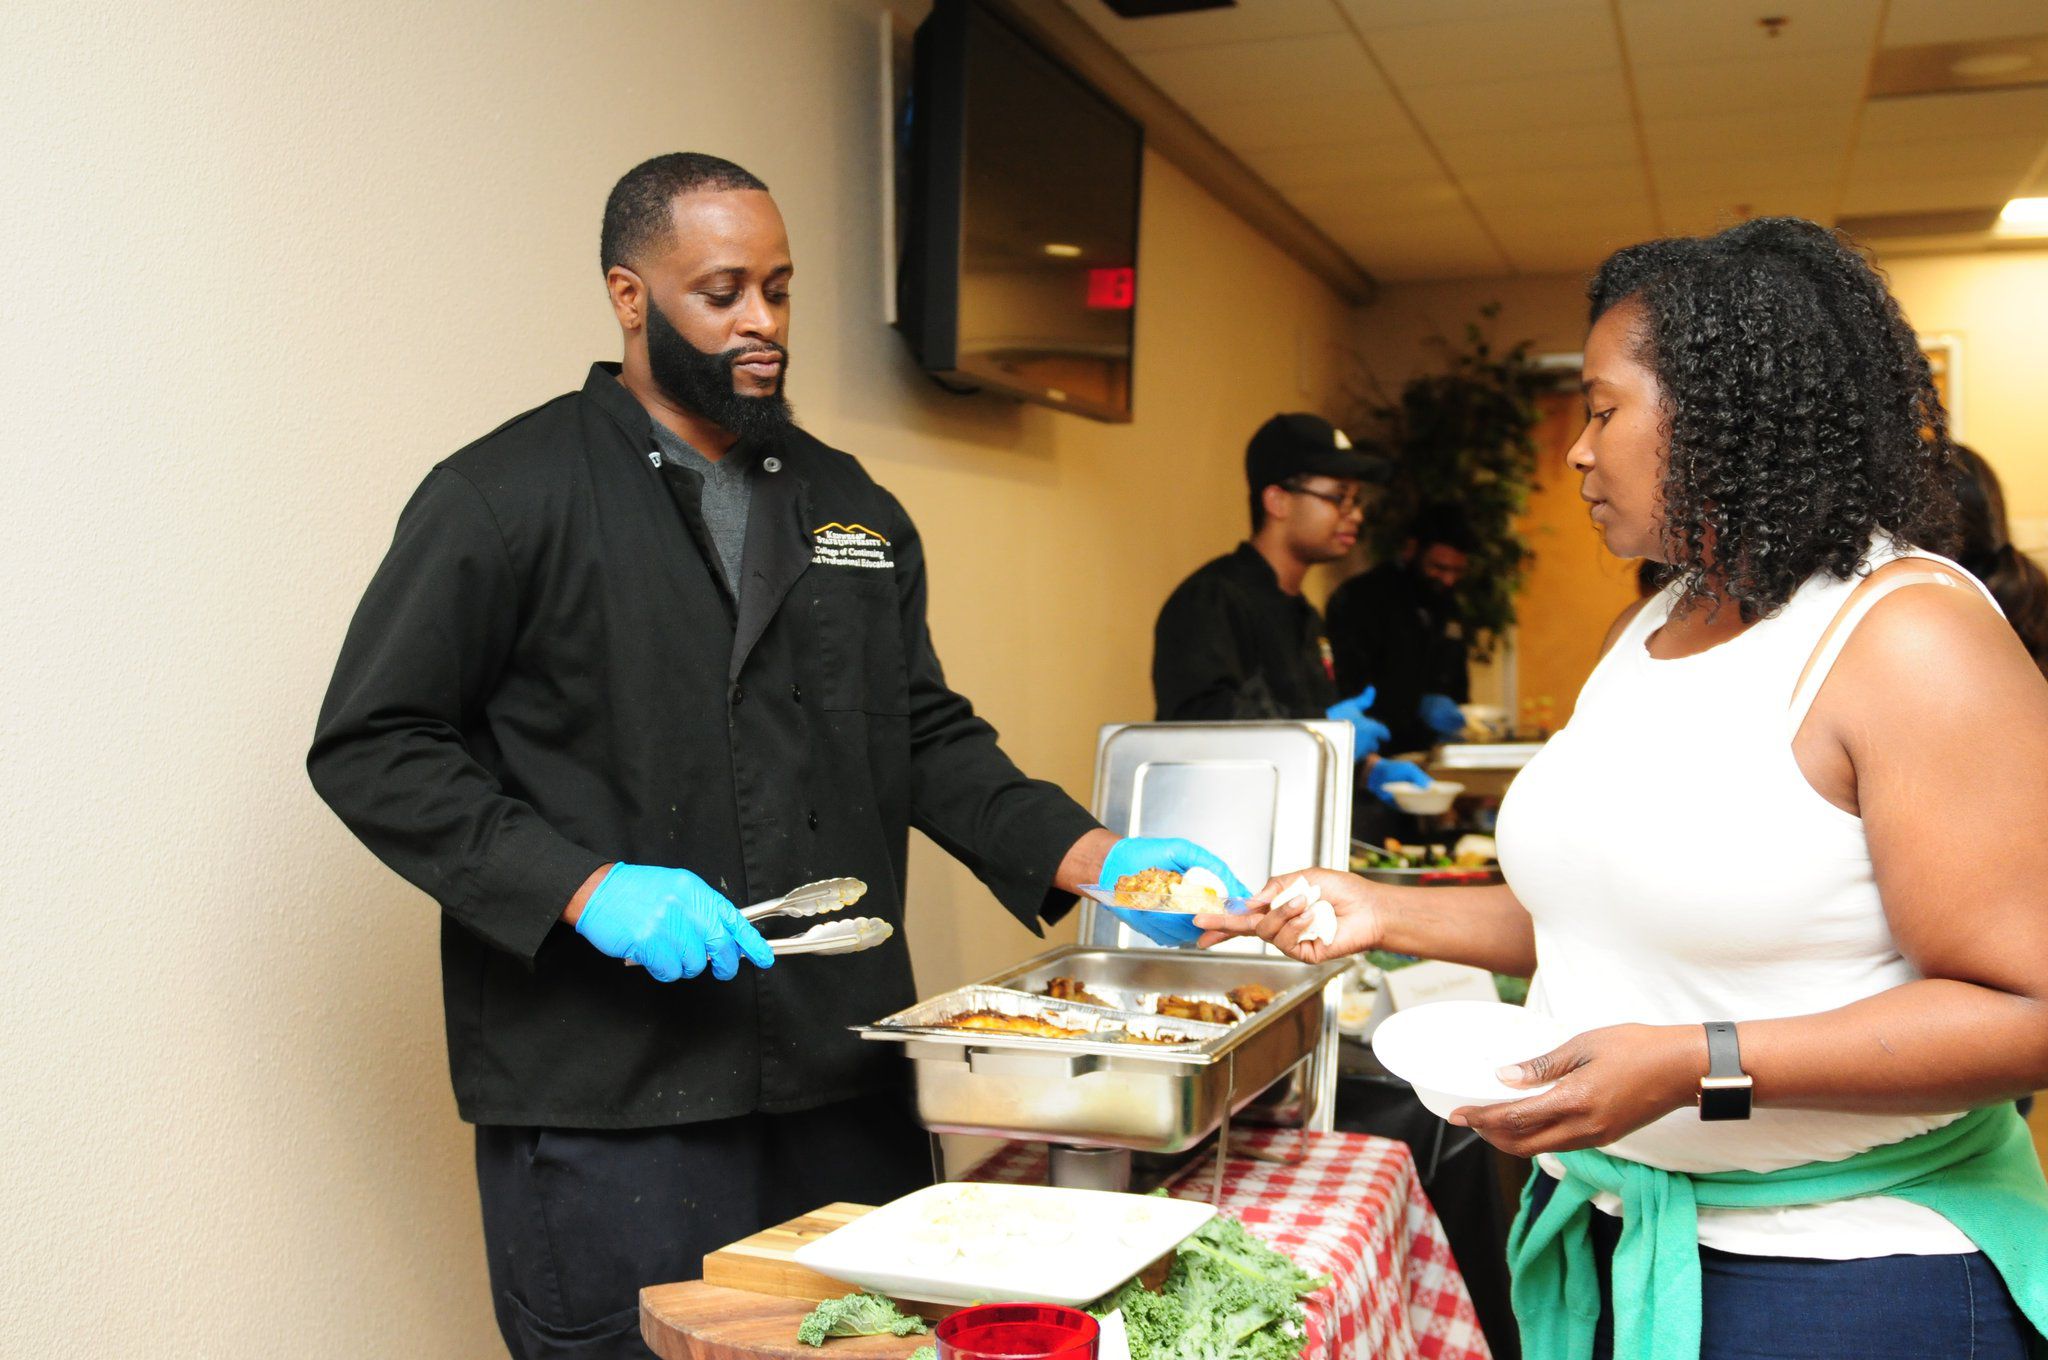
766 1262
699 1321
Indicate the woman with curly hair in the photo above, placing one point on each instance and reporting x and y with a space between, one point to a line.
2015 580
1781 875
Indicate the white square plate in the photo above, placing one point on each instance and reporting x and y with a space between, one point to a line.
965 1243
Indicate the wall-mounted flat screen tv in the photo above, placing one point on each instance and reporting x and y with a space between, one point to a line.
1019 273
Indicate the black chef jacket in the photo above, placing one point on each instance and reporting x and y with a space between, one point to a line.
1231 644
1387 634
548 673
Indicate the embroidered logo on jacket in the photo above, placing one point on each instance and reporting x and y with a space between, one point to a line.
849 545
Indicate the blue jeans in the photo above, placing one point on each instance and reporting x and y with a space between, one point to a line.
1786 1308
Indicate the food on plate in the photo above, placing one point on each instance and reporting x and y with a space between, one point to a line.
1228 1296
1196 890
1072 989
999 1023
857 1314
1188 1008
1250 998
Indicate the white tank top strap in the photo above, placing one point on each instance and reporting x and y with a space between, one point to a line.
1864 597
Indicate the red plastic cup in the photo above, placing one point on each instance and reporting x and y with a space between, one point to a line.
1018 1331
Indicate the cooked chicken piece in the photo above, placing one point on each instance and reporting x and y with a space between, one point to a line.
1072 989
1145 886
1163 1039
1207 1012
997 1022
1250 998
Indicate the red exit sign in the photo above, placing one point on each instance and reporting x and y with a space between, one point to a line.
1113 289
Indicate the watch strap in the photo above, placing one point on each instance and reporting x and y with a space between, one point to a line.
1725 1092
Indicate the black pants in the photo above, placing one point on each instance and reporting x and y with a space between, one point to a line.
576 1221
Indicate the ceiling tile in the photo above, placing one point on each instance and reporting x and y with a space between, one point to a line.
1398 157
1928 194
1760 137
1378 16
1450 111
1913 22
1620 182
1705 30
1956 117
1198 78
1773 81
1318 120
1540 148
1700 216
1239 23
1559 43
2013 156
1342 208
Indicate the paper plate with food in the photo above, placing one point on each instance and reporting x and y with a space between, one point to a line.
1162 905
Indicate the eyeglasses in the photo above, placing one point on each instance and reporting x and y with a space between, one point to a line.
1347 502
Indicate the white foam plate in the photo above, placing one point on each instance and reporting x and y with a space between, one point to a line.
1449 1050
963 1243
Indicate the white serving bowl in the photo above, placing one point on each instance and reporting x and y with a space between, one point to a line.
1449 1050
1425 800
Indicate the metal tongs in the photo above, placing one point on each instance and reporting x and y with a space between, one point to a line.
812 899
847 936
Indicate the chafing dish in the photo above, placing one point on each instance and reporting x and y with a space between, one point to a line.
1099 1088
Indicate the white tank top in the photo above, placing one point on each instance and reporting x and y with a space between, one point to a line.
1680 869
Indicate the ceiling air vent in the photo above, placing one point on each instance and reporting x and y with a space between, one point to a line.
1959 68
1152 9
1877 226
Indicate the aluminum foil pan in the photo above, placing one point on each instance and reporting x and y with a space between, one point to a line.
1096 1024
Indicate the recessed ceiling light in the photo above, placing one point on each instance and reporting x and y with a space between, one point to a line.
1063 250
2024 217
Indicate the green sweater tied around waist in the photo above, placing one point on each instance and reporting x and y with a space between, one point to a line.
1980 1173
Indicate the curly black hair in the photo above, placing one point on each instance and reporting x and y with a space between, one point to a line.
1800 414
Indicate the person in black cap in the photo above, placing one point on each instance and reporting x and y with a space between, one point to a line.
1237 639
1396 628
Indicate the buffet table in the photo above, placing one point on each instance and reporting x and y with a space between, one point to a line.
1353 1210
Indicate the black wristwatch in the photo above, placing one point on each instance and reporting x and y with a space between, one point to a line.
1725 1090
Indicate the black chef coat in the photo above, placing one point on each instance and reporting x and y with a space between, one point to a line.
1387 633
1231 644
548 672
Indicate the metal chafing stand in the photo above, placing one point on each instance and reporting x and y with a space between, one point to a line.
1266 797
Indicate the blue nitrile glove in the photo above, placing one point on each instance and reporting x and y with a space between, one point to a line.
1385 772
1439 712
670 922
1371 732
1136 853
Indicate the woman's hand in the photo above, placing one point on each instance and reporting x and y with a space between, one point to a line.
1358 919
1610 1082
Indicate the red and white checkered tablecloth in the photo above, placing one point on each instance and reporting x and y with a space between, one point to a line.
1352 1209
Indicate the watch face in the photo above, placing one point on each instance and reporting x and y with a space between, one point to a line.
1724 1102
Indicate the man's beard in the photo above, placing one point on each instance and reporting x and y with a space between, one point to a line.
702 383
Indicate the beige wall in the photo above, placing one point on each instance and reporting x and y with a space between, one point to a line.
265 263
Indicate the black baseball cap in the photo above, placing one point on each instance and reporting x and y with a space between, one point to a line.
1298 444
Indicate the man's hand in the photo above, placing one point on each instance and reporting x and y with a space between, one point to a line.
1371 733
1610 1082
1134 854
1439 713
1359 927
670 922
